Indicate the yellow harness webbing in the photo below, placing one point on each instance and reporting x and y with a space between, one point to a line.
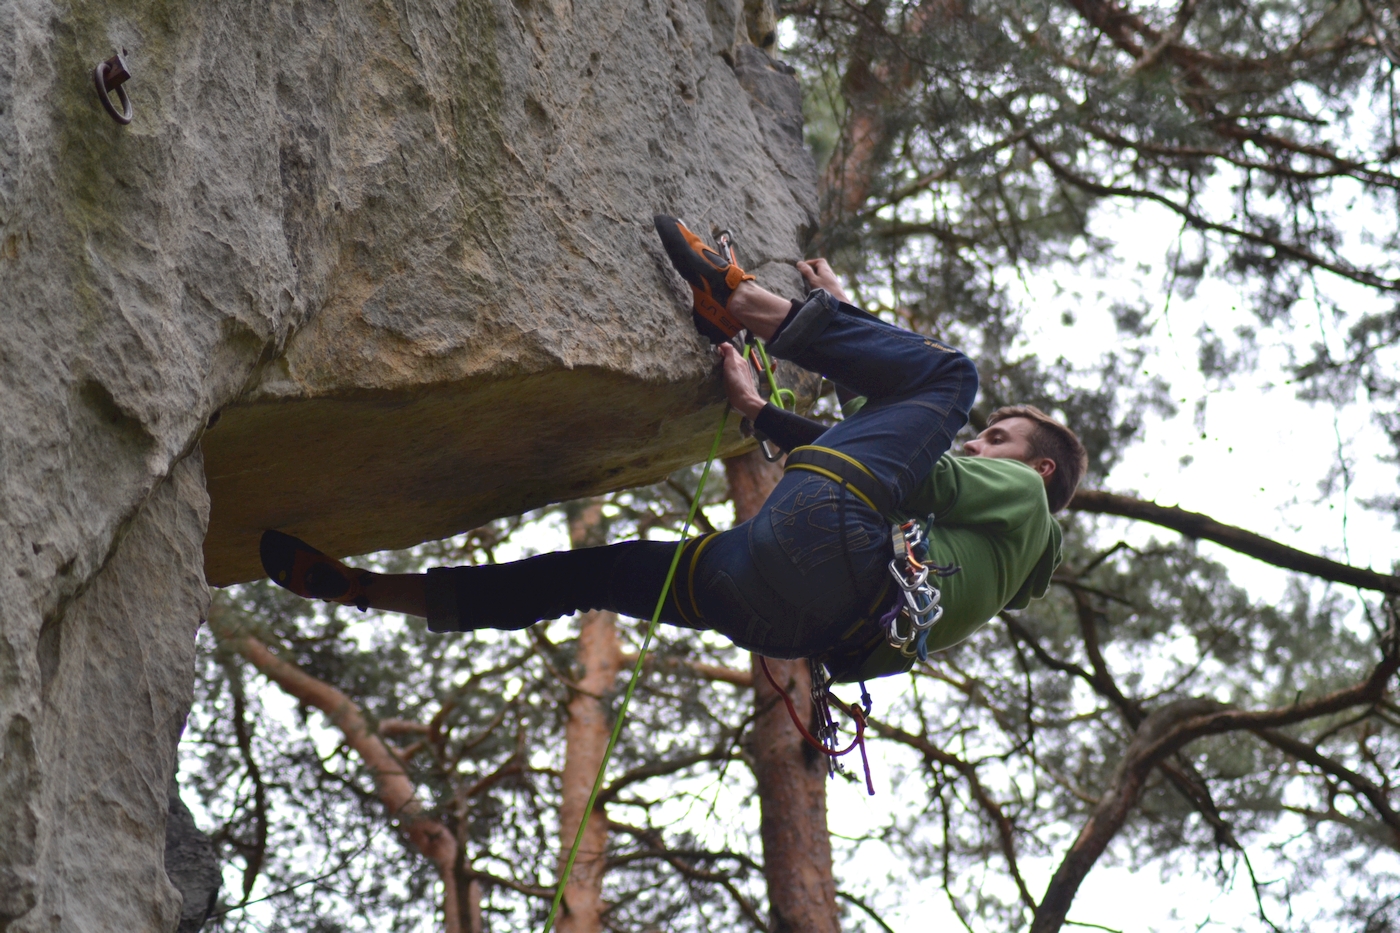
843 469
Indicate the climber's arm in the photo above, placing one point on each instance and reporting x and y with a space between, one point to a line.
786 429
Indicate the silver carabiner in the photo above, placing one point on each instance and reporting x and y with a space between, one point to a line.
895 639
920 578
920 602
929 620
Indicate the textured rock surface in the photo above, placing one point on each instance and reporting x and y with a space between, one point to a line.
190 864
403 252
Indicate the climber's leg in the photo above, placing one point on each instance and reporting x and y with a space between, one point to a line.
919 390
812 538
712 280
398 592
717 587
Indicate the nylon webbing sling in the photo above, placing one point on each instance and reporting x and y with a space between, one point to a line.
845 470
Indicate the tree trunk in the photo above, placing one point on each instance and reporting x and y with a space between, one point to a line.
469 901
586 738
791 781
792 794
869 84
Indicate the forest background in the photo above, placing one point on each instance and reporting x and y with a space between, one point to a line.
1175 226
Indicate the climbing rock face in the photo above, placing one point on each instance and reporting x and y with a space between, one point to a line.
369 273
190 864
497 325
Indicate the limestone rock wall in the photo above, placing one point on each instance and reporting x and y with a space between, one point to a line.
371 272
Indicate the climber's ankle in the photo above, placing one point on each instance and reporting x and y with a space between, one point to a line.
758 309
399 592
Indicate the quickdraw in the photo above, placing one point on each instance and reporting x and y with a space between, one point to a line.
920 605
781 398
826 741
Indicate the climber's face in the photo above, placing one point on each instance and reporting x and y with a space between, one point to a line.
1010 439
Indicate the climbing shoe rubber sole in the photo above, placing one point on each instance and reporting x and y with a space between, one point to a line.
292 563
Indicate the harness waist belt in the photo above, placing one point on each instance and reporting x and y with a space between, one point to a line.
846 470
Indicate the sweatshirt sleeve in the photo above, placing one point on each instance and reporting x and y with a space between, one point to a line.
787 429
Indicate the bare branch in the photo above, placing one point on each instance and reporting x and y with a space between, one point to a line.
253 852
395 790
1162 734
1196 525
677 861
869 911
533 890
659 769
1201 222
1118 800
403 727
1369 789
700 669
1004 827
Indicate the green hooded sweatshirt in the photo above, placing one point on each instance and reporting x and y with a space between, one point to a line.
989 517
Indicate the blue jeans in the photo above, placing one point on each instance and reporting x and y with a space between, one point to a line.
796 578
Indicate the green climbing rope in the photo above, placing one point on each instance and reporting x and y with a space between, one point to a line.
781 398
636 675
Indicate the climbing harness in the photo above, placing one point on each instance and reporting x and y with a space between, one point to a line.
636 676
826 739
845 470
907 623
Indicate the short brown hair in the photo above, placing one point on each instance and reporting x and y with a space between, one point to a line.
1051 439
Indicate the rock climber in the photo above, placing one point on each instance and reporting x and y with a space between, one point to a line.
810 575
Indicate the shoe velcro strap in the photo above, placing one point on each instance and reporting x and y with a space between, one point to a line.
734 276
846 470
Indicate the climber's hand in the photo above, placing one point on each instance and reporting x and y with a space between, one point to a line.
818 274
739 382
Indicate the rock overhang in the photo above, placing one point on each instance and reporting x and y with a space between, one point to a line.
381 471
327 224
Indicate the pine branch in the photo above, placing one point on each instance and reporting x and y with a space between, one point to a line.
1004 827
1161 735
660 769
253 853
677 860
1182 775
532 890
1200 222
1369 789
700 669
1196 525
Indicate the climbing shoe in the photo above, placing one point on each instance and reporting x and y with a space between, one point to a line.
296 565
711 278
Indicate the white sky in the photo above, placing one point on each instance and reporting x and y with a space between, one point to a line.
1265 452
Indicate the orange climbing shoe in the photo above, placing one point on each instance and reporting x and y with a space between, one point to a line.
711 278
299 567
